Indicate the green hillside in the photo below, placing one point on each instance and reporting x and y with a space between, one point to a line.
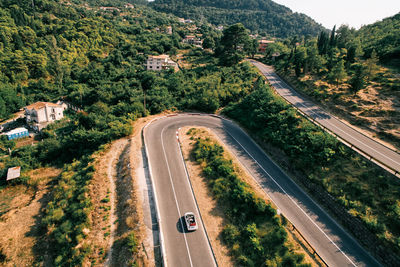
257 15
383 37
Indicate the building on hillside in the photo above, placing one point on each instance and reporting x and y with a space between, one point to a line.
275 55
129 6
110 8
40 114
16 133
193 40
262 45
167 29
182 20
161 62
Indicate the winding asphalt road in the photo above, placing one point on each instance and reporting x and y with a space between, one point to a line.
381 154
175 197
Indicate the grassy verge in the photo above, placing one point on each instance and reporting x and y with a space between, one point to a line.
67 214
254 232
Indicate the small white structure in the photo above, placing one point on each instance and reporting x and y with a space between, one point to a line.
40 114
129 6
161 62
17 133
186 21
109 8
13 173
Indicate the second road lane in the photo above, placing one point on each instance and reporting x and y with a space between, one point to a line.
379 152
175 196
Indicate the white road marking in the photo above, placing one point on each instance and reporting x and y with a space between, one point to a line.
176 201
294 202
194 200
318 116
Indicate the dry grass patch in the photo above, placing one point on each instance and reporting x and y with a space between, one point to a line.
22 241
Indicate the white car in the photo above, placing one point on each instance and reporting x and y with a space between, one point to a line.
190 220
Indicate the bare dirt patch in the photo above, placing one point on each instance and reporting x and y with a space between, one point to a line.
117 209
102 197
22 238
213 216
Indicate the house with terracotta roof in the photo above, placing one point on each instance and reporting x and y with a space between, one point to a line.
262 45
193 39
40 114
161 62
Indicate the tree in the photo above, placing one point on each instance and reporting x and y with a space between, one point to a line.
358 81
252 47
233 43
344 35
300 60
338 73
372 65
209 43
332 39
323 43
314 61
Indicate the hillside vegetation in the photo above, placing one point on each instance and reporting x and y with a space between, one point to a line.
94 60
383 37
362 188
345 71
263 16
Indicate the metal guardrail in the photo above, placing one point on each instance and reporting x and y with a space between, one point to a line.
345 142
348 144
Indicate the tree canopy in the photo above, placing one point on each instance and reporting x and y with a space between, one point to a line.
263 16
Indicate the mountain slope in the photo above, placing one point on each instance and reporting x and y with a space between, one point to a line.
256 15
383 37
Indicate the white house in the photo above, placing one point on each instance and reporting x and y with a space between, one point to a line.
161 62
40 114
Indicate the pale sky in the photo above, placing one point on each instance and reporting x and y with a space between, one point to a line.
354 13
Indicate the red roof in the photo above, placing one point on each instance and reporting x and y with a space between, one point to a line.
39 105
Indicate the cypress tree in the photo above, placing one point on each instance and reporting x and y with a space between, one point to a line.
332 40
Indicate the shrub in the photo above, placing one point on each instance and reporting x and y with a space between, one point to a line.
254 232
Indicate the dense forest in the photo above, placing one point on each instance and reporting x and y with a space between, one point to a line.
383 37
262 16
